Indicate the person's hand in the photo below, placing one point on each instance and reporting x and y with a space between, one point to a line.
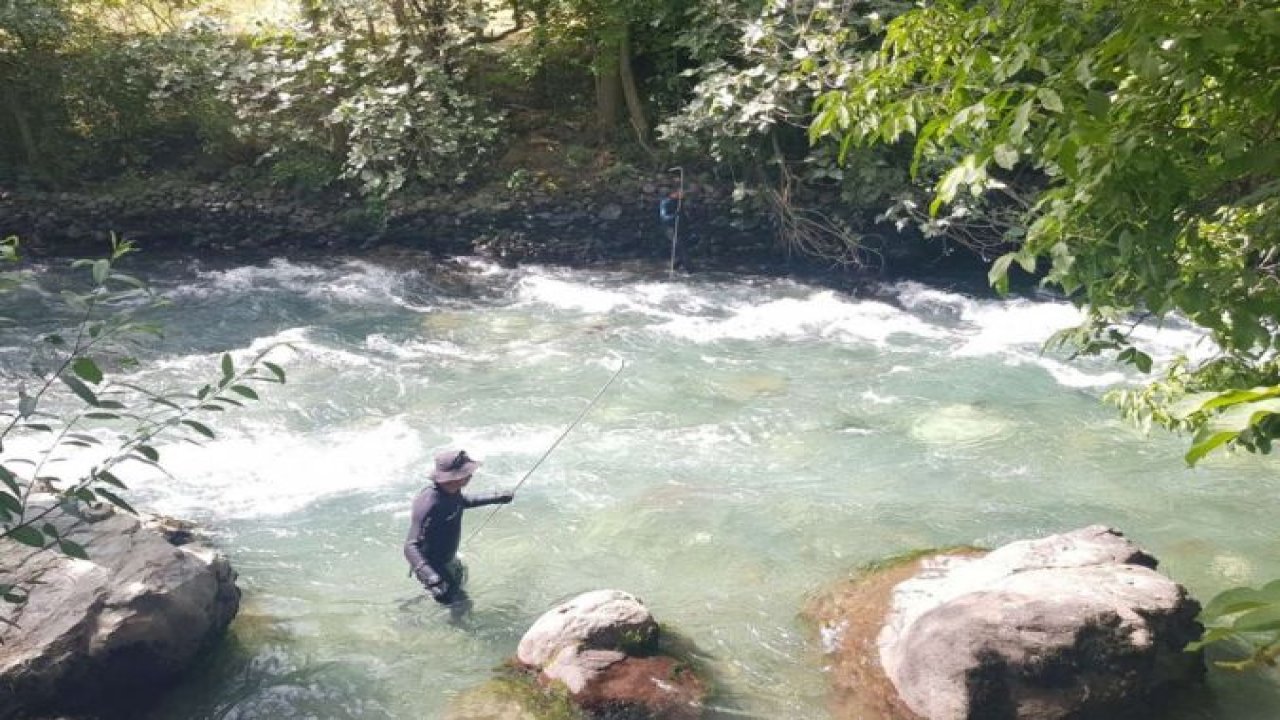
435 585
506 497
427 576
438 589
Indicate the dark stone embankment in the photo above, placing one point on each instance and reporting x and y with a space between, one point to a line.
597 223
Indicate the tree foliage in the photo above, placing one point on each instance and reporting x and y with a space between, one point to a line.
1155 128
364 92
758 68
379 111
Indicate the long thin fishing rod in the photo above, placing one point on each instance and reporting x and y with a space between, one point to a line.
551 449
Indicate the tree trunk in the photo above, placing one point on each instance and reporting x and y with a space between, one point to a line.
24 128
608 92
635 108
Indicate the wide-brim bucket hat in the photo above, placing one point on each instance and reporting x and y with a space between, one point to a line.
452 465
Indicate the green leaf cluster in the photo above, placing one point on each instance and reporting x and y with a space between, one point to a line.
757 70
1244 617
1141 144
1151 137
374 110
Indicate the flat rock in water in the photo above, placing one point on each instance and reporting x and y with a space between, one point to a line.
104 635
1077 625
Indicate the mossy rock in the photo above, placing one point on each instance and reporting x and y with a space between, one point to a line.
515 696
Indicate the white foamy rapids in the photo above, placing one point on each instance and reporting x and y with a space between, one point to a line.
822 314
24 452
263 471
293 349
658 299
415 349
1177 337
917 296
1017 330
353 282
481 266
519 440
996 326
874 398
546 290
1073 377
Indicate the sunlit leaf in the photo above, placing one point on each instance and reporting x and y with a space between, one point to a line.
199 427
81 390
275 370
72 549
1049 99
109 477
10 502
1258 620
26 535
10 480
117 501
1206 446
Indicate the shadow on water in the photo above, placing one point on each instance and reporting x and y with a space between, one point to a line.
256 679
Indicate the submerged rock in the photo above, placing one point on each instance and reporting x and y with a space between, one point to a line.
604 649
1077 625
512 698
103 635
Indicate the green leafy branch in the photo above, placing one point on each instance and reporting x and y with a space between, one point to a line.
106 324
1247 616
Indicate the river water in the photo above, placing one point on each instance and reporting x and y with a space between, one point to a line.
766 438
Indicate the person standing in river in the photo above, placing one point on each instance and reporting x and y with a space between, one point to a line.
435 527
671 209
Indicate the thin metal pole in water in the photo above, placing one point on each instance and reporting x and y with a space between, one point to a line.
675 231
546 454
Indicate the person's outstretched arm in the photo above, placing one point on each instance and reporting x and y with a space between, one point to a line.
493 498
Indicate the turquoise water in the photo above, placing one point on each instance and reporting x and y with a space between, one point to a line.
765 438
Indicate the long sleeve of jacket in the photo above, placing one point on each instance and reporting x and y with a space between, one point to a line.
493 498
420 529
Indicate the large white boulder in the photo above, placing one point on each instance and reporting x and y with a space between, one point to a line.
1071 625
1077 625
106 634
602 620
604 648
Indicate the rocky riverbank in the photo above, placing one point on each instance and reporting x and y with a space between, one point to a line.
598 222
